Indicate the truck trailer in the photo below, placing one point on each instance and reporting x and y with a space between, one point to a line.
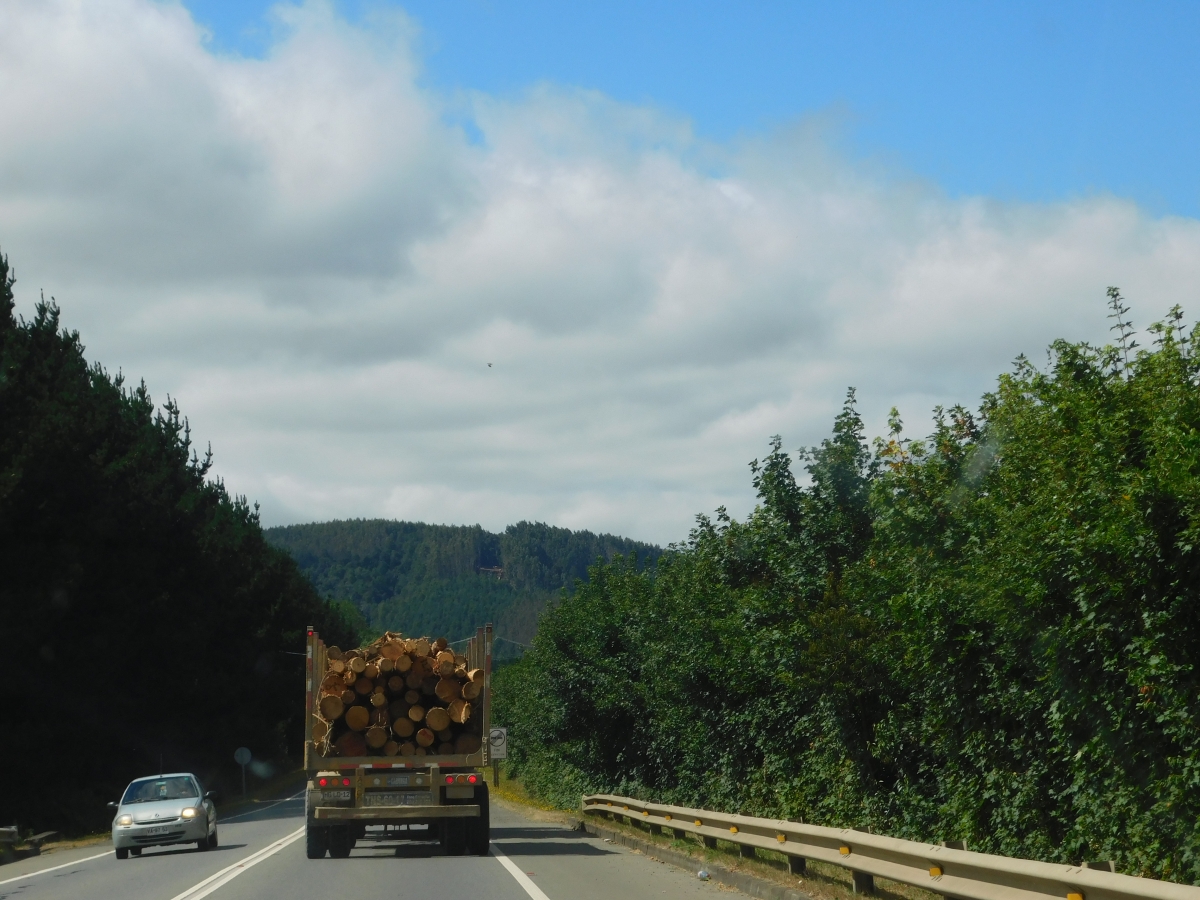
397 790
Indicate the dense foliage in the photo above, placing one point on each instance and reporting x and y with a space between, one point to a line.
990 634
146 620
443 579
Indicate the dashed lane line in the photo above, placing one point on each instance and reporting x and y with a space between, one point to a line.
515 871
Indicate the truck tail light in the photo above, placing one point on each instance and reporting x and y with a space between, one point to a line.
471 779
449 779
345 782
323 781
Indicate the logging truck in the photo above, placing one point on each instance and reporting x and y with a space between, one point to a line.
394 743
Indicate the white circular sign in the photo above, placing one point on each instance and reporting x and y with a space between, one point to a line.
498 743
242 756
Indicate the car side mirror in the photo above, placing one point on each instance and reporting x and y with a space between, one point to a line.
210 795
113 804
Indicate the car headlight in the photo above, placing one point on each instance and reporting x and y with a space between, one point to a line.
189 813
125 820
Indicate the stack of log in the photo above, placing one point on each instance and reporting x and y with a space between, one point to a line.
397 697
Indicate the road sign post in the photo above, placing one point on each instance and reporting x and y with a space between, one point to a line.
497 750
242 757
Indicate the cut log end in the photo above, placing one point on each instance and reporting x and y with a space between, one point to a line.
448 690
351 744
331 708
357 718
467 743
437 719
425 738
459 711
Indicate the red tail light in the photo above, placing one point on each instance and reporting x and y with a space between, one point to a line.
472 778
346 782
323 782
449 779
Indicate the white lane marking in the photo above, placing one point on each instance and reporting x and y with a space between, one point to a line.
53 868
226 875
515 871
263 809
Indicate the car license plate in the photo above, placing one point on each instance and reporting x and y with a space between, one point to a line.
160 829
335 795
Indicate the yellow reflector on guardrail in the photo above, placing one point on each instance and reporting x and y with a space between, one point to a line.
698 822
845 851
782 838
1075 895
733 829
667 817
935 871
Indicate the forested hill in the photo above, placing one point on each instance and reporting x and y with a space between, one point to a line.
435 579
150 622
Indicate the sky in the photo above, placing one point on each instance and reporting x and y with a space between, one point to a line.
481 262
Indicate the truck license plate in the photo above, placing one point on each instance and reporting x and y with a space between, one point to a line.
335 795
417 798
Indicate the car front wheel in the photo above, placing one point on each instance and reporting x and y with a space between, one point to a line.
122 853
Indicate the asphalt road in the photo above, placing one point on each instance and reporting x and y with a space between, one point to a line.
261 857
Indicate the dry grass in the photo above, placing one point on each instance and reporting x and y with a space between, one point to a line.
821 881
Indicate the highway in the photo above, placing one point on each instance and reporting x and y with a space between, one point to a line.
261 857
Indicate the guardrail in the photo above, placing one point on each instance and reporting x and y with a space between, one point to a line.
947 870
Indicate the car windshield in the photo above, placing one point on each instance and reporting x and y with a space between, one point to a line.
179 787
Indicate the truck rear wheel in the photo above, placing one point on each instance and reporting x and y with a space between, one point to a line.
316 841
479 834
341 841
454 836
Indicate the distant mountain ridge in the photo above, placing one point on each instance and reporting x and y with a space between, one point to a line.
449 579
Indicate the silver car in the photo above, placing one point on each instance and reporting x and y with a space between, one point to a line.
164 809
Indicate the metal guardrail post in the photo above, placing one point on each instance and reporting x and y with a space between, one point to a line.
864 882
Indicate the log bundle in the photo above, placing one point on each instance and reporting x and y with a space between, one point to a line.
398 696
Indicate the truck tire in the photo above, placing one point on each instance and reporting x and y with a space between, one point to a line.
479 831
316 841
341 841
454 836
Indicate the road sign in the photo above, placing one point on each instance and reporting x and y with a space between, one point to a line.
498 743
242 757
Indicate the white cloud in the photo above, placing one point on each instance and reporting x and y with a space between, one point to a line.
319 268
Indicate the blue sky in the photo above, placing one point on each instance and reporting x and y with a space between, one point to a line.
588 318
1019 101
